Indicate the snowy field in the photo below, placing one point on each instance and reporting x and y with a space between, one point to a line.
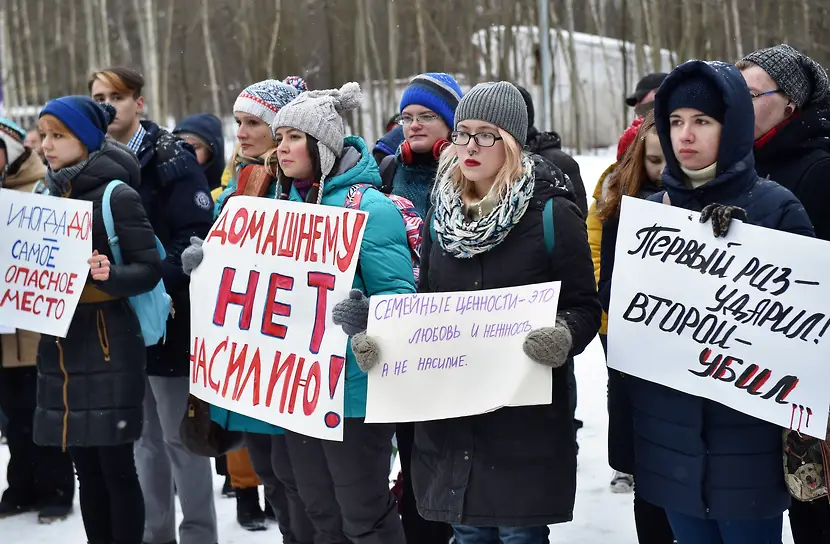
600 516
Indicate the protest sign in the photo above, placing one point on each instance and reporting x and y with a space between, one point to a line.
44 247
264 344
739 320
447 355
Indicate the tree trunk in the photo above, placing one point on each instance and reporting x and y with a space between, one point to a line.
152 52
214 84
126 50
22 85
92 61
422 39
392 30
106 52
73 52
165 58
363 69
10 90
574 76
275 34
41 43
805 8
30 54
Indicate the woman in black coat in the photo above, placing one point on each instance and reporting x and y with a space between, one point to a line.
503 476
91 383
638 175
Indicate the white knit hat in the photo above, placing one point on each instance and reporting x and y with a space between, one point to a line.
317 113
264 99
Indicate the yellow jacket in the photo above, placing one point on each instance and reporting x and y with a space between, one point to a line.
226 178
595 235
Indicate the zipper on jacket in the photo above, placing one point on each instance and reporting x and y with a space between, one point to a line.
65 429
103 335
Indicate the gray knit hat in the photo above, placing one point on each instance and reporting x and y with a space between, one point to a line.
498 103
800 77
317 113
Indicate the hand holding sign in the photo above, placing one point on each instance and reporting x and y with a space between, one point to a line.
99 266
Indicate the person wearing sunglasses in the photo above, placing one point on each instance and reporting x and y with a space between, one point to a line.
503 476
791 96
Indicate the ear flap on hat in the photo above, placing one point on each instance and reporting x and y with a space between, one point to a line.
327 160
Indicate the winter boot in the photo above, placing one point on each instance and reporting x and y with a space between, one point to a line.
50 514
227 490
248 512
622 483
8 509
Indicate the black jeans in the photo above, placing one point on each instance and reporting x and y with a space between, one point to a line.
112 505
417 529
652 523
38 476
345 485
269 456
810 521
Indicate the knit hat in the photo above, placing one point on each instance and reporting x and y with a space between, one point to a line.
498 103
88 120
800 77
436 91
12 137
265 98
317 113
628 137
698 93
297 82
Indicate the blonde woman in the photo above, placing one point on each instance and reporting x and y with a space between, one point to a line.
503 476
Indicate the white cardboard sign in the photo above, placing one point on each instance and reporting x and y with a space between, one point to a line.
446 355
264 343
740 320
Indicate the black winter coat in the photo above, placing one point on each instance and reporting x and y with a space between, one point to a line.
175 194
91 383
548 145
620 418
693 455
513 466
798 157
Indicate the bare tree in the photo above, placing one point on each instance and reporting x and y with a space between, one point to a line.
391 26
106 53
275 34
422 38
214 84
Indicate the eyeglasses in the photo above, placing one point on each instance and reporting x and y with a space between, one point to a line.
422 118
482 139
759 95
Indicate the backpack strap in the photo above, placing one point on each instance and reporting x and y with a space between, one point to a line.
387 168
547 225
109 223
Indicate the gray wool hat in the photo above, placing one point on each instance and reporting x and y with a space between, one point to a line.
498 103
800 77
317 113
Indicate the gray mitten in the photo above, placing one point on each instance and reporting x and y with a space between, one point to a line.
352 314
366 351
549 346
193 255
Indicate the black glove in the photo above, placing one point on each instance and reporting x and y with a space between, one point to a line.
721 216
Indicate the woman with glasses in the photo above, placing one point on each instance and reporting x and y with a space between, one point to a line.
791 98
506 475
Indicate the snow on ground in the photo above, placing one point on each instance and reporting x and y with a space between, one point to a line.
599 516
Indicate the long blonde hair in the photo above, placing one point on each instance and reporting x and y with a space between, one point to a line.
268 159
449 171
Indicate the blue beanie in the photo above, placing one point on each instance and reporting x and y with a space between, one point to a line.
88 120
436 91
699 93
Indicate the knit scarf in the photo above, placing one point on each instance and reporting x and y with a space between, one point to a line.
59 182
465 239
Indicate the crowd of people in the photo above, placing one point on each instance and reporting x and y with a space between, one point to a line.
749 141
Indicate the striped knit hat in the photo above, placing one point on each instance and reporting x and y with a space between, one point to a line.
436 91
12 137
264 99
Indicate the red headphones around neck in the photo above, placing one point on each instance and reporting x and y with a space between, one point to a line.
407 154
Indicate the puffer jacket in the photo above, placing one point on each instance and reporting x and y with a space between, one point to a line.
513 466
693 455
91 383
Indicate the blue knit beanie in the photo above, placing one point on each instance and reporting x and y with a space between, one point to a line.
87 119
436 91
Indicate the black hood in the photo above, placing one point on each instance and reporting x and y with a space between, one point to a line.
209 128
550 182
112 162
539 141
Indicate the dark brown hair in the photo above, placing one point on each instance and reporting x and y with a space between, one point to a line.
123 80
629 174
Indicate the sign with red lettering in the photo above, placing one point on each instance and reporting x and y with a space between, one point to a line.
739 320
264 343
461 351
44 247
